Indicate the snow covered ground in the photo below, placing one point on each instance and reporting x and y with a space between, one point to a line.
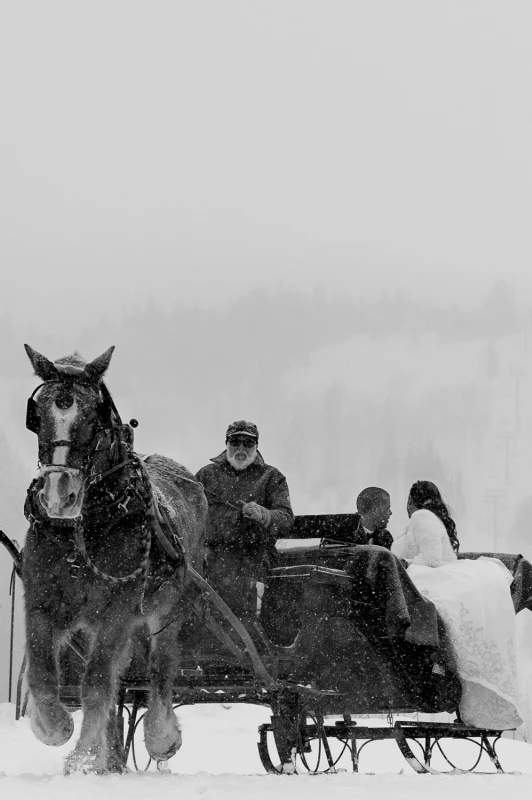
219 760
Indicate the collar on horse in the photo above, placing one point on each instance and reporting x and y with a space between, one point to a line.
141 502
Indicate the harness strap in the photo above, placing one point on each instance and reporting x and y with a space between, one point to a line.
163 526
162 538
46 468
141 570
98 476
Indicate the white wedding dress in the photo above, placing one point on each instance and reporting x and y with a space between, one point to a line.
473 598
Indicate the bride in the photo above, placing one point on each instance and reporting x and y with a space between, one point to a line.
474 601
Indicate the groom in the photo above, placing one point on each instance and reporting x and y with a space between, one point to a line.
373 506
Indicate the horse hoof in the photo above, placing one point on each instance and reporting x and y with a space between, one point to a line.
116 766
76 764
162 766
79 763
53 737
163 748
92 763
162 758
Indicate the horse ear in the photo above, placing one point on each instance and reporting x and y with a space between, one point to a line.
44 369
97 368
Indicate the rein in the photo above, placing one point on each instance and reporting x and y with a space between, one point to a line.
96 477
222 501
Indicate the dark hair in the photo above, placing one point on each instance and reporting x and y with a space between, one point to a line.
369 498
425 494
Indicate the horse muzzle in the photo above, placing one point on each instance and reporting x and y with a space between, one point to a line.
62 493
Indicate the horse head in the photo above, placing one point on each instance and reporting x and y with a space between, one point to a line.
71 413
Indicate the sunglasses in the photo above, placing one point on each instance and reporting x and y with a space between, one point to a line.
247 441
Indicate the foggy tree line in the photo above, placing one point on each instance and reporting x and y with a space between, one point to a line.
186 372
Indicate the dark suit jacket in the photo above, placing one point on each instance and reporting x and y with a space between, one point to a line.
382 537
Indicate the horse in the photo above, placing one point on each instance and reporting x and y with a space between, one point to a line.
92 563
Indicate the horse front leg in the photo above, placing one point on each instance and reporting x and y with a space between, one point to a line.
51 723
162 733
97 749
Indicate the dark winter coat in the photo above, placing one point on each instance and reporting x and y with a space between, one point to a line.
381 537
239 551
226 488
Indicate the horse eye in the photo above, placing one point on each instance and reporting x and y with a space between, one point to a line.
64 400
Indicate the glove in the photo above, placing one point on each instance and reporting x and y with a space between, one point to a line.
256 513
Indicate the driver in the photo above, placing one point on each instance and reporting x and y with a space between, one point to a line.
249 508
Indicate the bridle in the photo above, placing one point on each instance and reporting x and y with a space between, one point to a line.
47 468
109 417
132 483
32 411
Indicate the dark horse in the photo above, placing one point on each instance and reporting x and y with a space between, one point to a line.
91 563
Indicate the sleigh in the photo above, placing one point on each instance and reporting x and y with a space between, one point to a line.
343 635
361 629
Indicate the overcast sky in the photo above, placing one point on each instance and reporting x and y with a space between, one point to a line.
187 150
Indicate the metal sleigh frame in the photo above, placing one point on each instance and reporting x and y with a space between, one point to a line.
353 738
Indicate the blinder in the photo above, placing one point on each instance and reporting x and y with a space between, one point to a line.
105 409
33 419
107 406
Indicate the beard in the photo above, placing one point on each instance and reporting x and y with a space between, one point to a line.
240 463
